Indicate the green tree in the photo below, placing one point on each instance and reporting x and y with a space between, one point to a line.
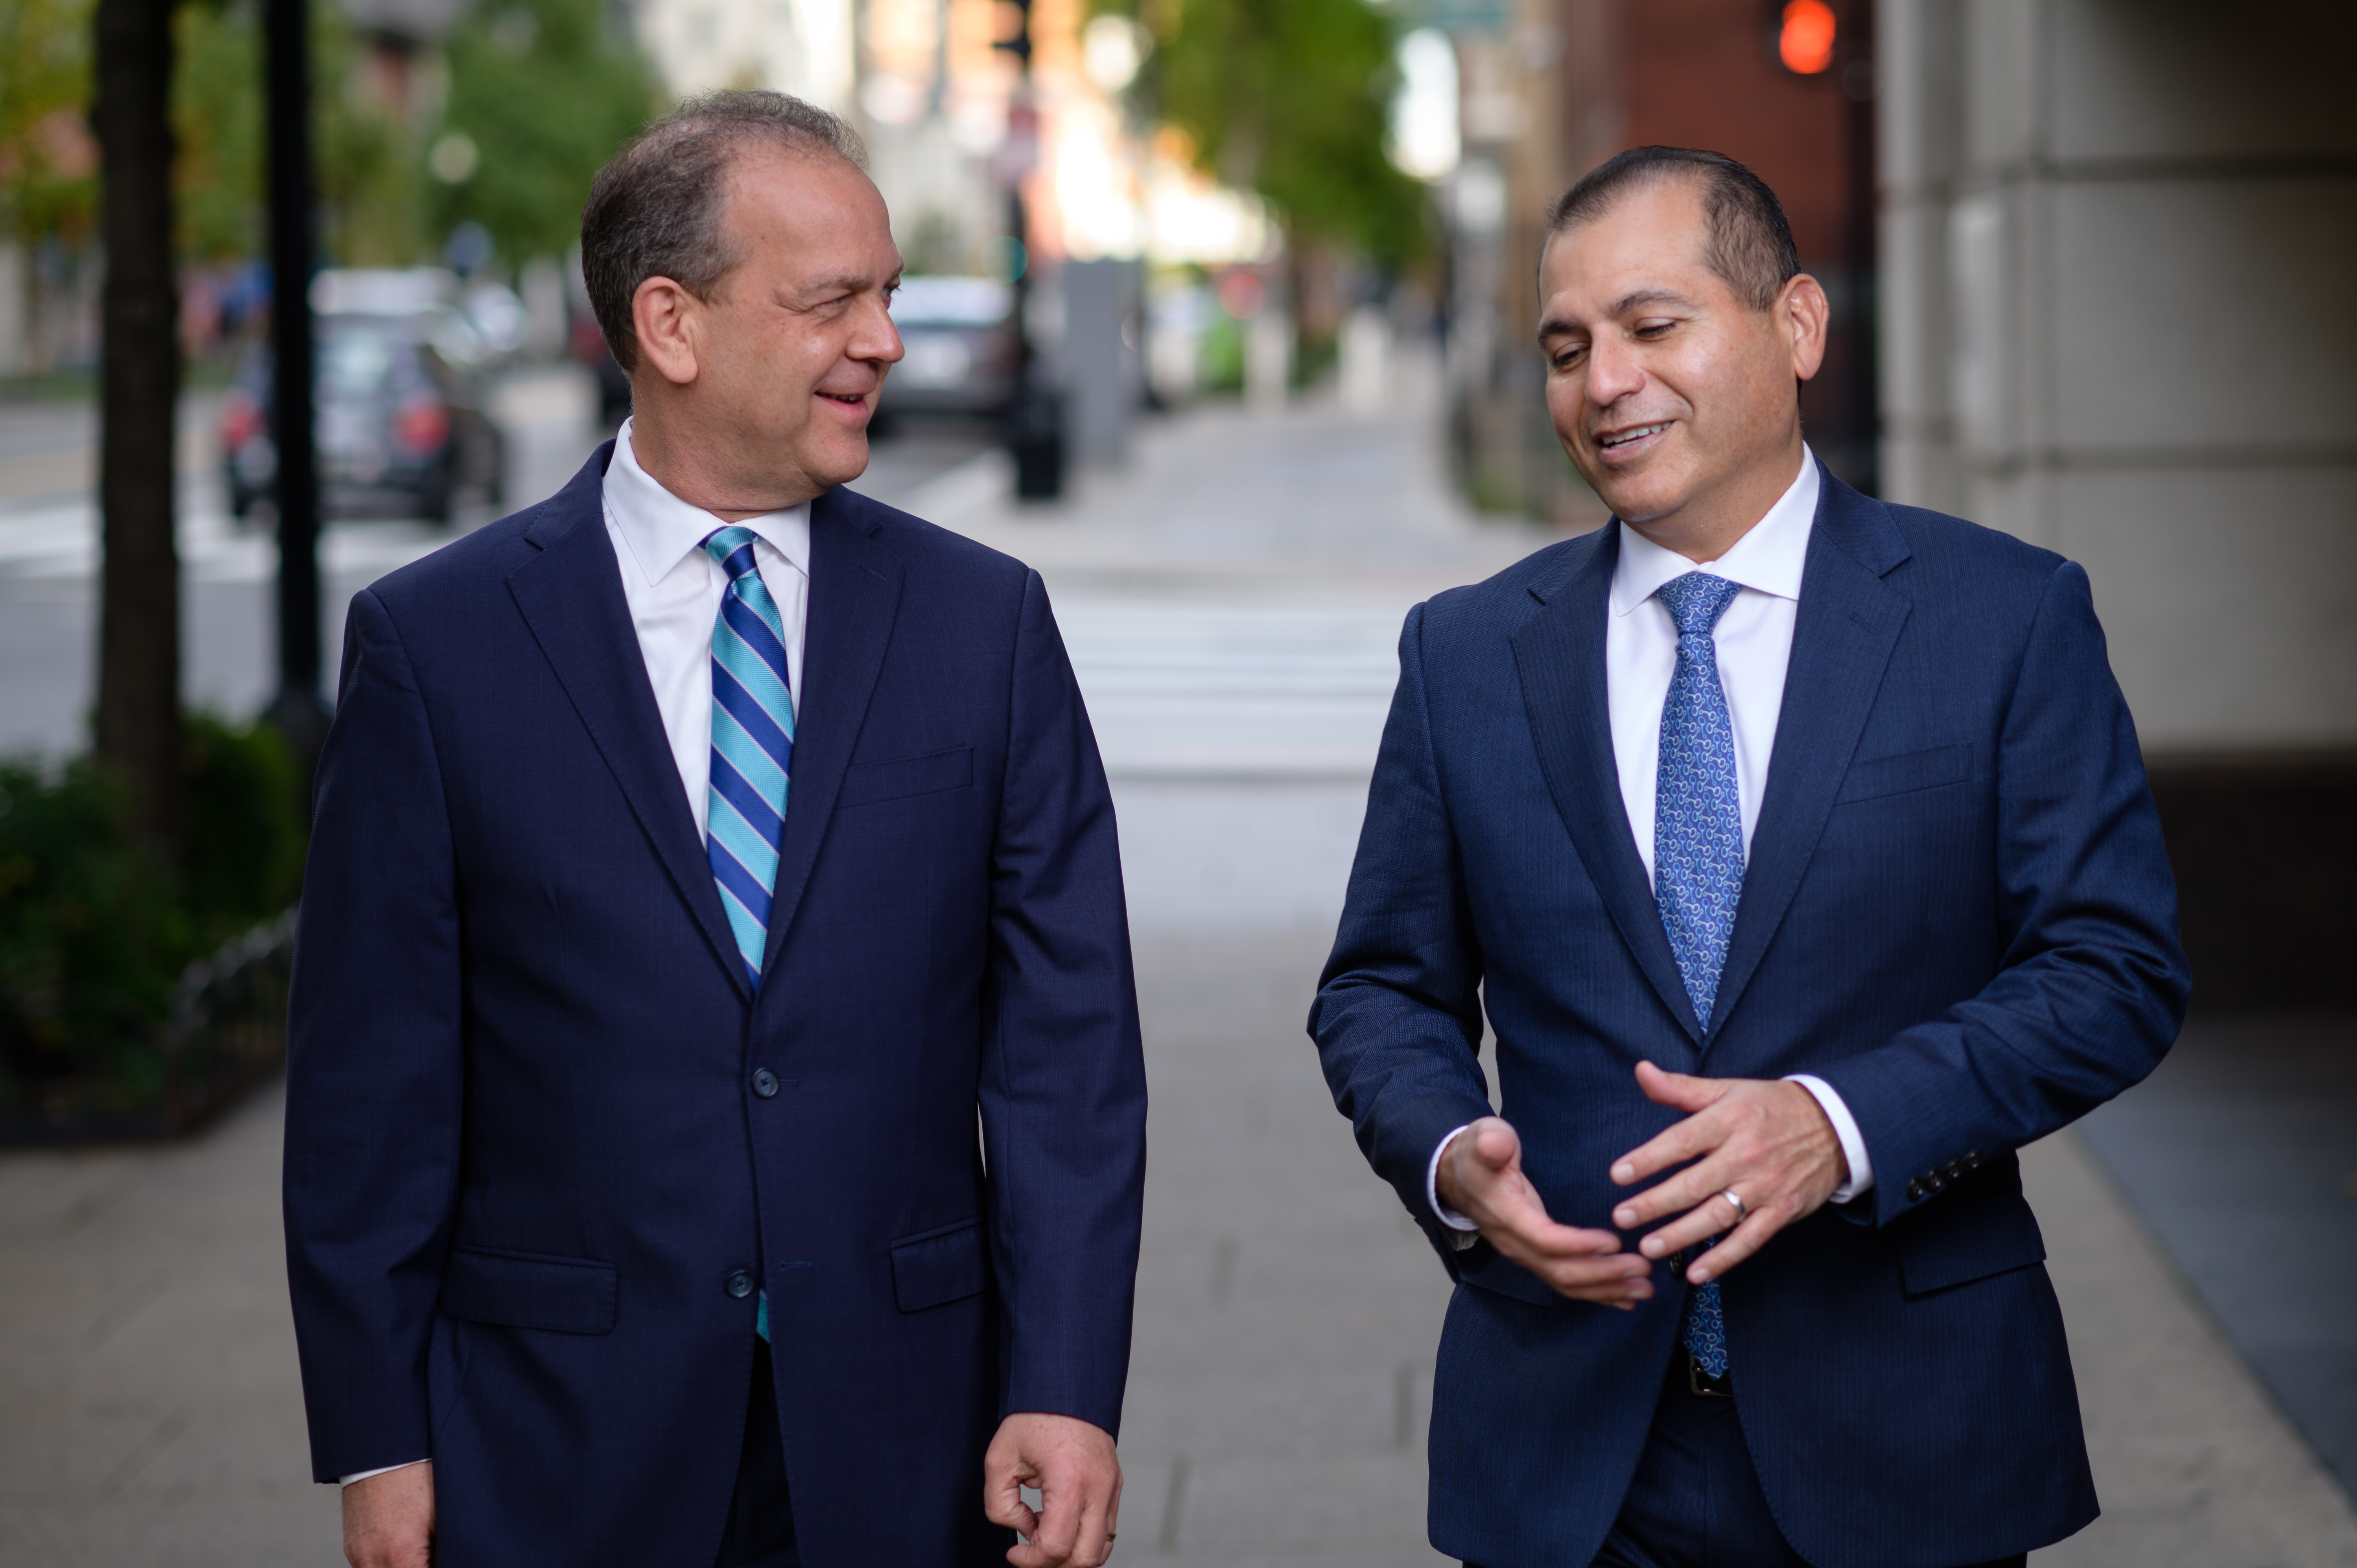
544 94
48 176
217 121
1291 100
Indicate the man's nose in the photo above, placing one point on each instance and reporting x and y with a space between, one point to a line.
1613 373
878 340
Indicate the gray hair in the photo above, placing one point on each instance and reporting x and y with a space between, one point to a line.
655 210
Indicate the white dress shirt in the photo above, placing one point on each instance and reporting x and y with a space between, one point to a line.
673 590
1754 641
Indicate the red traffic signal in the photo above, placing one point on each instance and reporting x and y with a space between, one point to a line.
1805 41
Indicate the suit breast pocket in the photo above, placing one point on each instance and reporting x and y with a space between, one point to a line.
1906 773
900 777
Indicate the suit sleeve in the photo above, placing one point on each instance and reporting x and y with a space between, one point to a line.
1398 1013
2093 982
374 1066
1063 1079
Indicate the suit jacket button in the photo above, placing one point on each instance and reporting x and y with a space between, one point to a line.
1915 1192
765 1083
739 1283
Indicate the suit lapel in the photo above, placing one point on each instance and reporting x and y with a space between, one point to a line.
571 596
1559 656
854 594
1849 622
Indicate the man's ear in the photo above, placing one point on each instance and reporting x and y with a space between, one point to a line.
1802 315
669 322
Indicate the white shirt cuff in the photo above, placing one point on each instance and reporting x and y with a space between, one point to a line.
379 1470
1449 1216
1853 1143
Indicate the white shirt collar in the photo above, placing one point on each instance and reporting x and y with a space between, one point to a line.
661 529
1769 558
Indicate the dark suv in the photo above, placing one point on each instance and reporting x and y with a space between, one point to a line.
401 428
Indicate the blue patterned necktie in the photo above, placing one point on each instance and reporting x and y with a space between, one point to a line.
752 745
1698 850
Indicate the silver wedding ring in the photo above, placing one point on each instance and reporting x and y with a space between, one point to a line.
1730 1197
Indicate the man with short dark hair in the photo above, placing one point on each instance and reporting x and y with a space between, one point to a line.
716 1119
1797 850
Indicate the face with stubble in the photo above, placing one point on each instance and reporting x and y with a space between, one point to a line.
1677 399
758 395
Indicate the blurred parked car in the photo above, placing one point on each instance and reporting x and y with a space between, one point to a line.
402 427
962 349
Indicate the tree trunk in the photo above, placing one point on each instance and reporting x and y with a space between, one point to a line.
139 729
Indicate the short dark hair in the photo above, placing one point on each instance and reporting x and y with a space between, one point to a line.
1750 246
655 210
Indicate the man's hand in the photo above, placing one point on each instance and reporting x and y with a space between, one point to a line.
389 1519
1480 1178
1078 1476
1768 1142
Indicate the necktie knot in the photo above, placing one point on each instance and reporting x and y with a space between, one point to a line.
732 547
1696 600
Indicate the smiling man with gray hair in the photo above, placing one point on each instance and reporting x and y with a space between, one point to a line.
701 855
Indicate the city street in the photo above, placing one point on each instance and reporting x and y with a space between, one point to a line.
1231 597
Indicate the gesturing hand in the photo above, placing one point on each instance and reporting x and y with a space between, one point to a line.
1078 1474
389 1519
1768 1142
1480 1178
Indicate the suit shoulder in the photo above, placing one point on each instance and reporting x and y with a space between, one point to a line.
928 547
470 562
1510 593
1987 556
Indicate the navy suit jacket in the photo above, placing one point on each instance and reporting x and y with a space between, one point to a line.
531 1180
1956 911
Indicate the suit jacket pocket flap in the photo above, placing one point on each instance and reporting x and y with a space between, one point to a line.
1907 770
1982 1236
522 1290
866 783
939 1266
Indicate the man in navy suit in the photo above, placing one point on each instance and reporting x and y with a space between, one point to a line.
715 1126
1798 851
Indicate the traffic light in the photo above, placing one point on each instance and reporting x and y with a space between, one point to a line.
1804 40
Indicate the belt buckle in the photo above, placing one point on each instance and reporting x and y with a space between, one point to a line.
1701 1382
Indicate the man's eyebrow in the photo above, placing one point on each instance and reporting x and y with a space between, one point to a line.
1556 326
842 283
1644 296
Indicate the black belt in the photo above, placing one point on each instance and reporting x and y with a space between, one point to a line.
1686 1374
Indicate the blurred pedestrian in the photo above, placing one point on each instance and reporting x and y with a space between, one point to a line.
636 1211
1798 850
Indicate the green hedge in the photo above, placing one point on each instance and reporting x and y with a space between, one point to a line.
96 928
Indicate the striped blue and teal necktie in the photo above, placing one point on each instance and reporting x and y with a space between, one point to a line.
752 745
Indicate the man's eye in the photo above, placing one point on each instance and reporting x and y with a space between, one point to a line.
1653 328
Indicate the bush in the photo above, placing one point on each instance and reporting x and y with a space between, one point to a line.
96 928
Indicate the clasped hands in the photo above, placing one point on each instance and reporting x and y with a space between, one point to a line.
1767 1141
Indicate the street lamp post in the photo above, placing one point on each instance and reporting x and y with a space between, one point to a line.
1035 415
298 710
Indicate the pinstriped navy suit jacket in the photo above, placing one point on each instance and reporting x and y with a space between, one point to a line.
1957 911
527 1152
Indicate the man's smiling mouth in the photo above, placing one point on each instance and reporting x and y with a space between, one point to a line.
1624 437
